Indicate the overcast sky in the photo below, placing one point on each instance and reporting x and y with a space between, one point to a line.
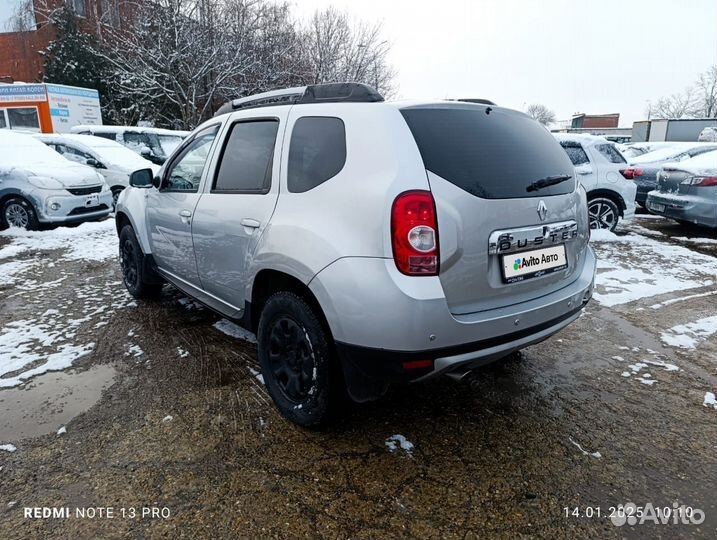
593 56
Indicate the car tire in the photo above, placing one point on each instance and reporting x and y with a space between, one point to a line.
298 362
132 263
603 213
18 212
116 193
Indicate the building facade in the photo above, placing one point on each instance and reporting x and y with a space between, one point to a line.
27 33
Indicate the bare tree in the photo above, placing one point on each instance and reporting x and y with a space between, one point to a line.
541 113
696 101
22 18
338 49
706 90
680 105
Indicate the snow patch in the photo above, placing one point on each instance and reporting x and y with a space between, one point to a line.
259 377
8 448
396 442
710 400
689 335
633 267
597 455
235 331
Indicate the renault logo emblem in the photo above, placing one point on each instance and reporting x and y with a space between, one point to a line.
542 210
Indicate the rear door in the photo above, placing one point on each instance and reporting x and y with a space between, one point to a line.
240 198
485 166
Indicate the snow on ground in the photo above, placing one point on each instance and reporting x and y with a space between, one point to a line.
710 400
91 241
396 442
585 452
235 331
689 335
633 267
7 448
258 376
48 341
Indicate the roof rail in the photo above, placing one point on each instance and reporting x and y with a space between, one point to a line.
315 93
480 101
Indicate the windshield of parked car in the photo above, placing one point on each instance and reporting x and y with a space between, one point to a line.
490 152
170 142
136 140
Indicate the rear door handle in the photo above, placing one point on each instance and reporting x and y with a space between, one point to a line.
252 223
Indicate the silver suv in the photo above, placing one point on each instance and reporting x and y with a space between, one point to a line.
365 242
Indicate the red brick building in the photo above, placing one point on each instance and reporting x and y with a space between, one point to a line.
591 121
20 51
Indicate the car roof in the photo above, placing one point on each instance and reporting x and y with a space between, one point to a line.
705 163
582 138
667 153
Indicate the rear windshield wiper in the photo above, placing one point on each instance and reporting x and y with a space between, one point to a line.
548 181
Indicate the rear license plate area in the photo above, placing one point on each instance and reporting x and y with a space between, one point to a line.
532 264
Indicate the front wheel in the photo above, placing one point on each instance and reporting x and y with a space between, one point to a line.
132 263
297 360
115 195
17 212
603 213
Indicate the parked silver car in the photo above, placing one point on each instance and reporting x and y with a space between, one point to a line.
687 191
365 242
643 169
39 186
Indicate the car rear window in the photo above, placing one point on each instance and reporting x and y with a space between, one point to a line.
317 152
610 153
489 152
575 152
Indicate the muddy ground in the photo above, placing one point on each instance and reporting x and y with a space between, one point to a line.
166 412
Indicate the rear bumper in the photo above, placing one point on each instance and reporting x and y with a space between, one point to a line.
698 210
397 365
408 319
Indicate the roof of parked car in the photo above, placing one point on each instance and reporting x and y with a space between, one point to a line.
580 138
663 154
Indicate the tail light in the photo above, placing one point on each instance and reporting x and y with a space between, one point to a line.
631 173
701 181
414 232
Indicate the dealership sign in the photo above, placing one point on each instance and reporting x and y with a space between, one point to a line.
12 93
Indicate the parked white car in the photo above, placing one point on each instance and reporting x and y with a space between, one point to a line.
144 141
599 166
112 160
38 187
709 134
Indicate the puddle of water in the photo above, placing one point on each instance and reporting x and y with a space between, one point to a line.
50 401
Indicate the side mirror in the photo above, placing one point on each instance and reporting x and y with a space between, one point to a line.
145 151
143 178
94 163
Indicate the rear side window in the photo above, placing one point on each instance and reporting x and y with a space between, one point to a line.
610 153
489 152
317 152
110 136
576 153
247 158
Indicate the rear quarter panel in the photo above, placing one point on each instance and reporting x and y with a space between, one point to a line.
350 214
